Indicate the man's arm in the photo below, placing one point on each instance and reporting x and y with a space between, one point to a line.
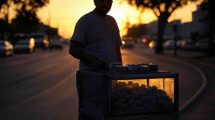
118 54
76 50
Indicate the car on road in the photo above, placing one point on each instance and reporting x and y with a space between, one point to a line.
41 40
55 44
169 44
6 48
128 42
152 44
202 45
25 45
180 43
186 45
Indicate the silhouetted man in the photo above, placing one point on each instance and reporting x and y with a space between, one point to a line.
96 40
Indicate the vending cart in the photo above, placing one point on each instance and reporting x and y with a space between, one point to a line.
125 93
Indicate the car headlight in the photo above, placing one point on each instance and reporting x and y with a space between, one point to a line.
123 42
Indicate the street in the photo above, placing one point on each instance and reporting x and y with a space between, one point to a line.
41 86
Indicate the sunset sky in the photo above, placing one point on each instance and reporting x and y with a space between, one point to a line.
65 13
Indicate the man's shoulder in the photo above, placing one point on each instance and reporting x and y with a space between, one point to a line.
111 18
86 17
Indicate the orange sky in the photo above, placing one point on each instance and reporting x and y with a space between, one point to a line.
65 13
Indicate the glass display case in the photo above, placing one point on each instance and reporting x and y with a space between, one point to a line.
142 96
108 95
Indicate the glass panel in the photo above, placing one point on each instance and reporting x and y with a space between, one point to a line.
135 96
169 87
156 82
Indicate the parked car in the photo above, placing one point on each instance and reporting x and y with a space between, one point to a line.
180 43
6 48
186 45
169 44
55 44
25 45
127 42
144 40
19 36
202 45
41 40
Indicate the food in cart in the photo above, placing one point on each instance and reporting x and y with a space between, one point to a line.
129 97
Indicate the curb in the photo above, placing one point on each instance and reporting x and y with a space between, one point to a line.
38 94
199 92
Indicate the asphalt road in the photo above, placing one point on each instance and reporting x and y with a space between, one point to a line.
41 86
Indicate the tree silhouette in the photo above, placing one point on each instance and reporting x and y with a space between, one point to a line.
30 5
26 20
163 10
4 11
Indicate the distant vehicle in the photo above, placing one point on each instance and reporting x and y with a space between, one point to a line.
186 44
152 44
41 40
180 43
25 45
17 37
6 48
55 44
202 45
169 44
127 43
145 40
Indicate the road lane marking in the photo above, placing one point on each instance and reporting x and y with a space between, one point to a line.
38 94
31 59
52 87
38 73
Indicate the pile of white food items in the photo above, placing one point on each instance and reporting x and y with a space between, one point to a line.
133 68
134 98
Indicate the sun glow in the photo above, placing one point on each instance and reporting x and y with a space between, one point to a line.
67 14
64 14
126 16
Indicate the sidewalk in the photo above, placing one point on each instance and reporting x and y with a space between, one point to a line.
181 54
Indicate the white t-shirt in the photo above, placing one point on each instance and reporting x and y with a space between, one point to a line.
99 36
